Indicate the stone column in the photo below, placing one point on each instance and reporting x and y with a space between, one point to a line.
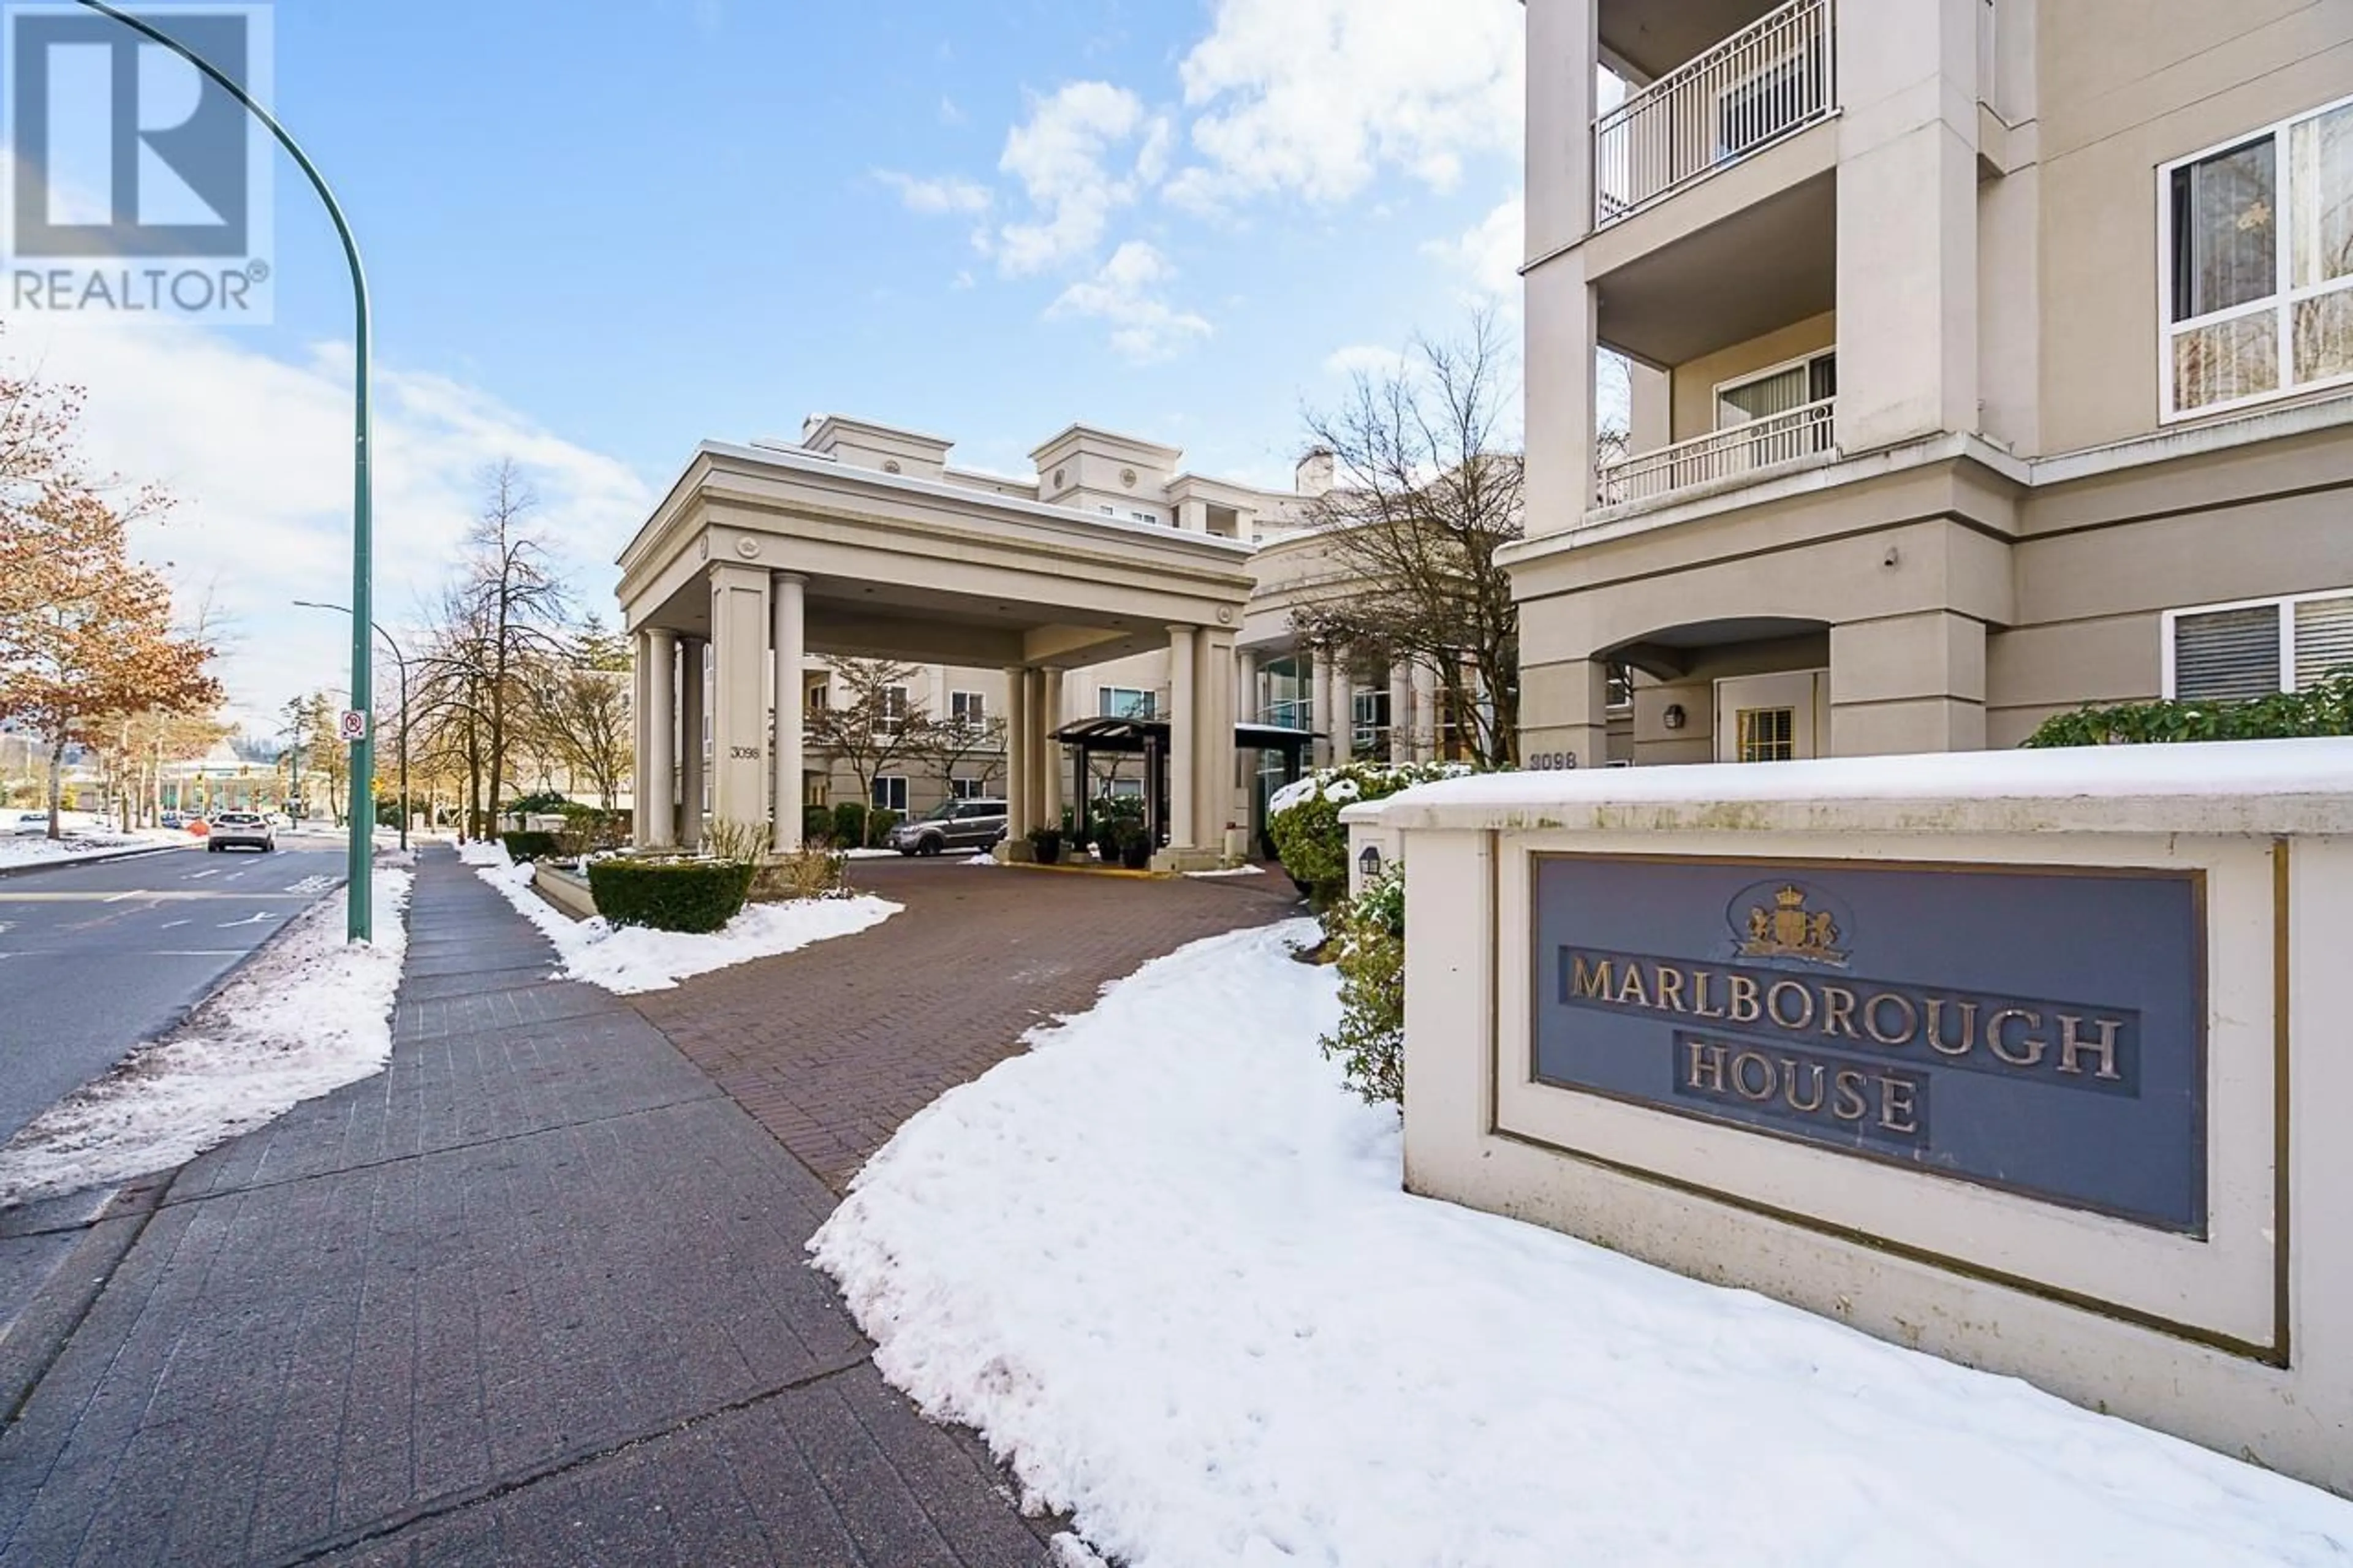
1248 709
1318 718
1193 516
1400 712
1338 698
789 636
658 761
690 726
1908 683
1184 740
1050 760
1425 712
739 695
1213 683
1017 725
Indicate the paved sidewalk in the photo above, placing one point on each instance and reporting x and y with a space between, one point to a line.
834 1046
534 1295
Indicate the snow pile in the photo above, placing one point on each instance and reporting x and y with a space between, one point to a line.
632 959
1164 1264
1353 781
38 849
310 1014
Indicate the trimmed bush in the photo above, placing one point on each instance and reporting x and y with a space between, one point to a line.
1303 819
1369 946
587 831
878 825
694 896
531 846
850 824
817 825
2324 709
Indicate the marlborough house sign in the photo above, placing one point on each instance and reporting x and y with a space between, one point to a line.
2026 1059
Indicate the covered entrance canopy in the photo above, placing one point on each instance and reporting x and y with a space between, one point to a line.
1150 738
759 557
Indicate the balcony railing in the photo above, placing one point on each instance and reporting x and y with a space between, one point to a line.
1801 433
1771 78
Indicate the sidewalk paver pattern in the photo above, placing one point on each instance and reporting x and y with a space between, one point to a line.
536 1294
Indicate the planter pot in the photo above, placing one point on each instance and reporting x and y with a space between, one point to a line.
1047 854
1136 853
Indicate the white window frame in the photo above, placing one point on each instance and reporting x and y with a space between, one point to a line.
967 789
1106 709
2281 301
887 722
875 787
975 705
2286 604
1715 405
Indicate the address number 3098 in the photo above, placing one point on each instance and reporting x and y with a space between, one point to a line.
745 754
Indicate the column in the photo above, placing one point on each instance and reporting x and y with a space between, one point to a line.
1563 51
1193 517
1425 712
691 741
1050 760
1402 738
1184 740
1573 699
1338 698
1248 707
1017 747
1213 683
1319 718
789 639
739 697
658 759
1908 683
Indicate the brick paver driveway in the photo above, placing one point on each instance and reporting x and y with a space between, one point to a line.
834 1046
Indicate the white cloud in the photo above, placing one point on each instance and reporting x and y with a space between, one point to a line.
1378 364
258 451
950 112
1066 157
1488 254
1314 97
1128 293
947 194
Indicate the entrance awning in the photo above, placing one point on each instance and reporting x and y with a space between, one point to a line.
1133 737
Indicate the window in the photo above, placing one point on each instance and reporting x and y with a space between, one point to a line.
966 789
2218 653
819 697
892 717
1776 391
967 709
1150 517
1369 724
1768 734
1126 702
891 794
1121 789
1621 686
2257 240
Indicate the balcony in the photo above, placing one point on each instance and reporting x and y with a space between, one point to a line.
1795 438
1766 82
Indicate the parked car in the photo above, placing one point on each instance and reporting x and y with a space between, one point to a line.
32 822
241 831
975 824
174 819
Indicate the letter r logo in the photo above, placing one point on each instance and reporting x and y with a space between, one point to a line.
123 149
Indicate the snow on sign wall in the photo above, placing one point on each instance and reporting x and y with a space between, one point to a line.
2040 1031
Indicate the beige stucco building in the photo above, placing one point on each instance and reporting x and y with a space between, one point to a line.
1110 584
1989 357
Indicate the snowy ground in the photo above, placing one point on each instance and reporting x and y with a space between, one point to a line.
85 837
631 959
310 1014
1164 1264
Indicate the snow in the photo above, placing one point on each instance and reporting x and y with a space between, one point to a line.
872 854
1228 871
1345 783
1164 1264
632 959
309 1014
2212 768
83 840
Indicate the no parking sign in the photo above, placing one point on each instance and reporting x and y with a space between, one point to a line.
354 724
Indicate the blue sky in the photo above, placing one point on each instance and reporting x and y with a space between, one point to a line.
600 232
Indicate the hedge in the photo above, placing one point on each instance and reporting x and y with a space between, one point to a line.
1369 1044
530 845
2324 709
695 895
1303 819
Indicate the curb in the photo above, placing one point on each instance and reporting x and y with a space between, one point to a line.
99 859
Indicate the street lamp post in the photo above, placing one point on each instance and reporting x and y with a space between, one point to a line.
401 660
359 924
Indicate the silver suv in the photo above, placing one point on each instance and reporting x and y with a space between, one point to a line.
245 828
975 823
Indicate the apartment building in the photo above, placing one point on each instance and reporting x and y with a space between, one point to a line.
1988 357
1107 496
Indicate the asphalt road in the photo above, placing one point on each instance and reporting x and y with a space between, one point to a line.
96 959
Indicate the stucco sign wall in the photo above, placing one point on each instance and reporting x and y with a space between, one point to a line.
2037 1031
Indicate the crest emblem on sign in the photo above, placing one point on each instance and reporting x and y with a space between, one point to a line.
1788 928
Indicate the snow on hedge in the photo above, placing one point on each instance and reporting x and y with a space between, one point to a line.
1164 1264
1356 781
309 1014
632 959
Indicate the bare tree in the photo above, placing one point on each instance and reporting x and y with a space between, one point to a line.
964 748
580 708
872 721
1427 491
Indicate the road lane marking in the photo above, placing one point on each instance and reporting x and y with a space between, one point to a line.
160 895
259 917
200 876
167 925
312 885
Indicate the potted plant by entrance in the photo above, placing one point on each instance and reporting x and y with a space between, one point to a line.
1135 848
1046 845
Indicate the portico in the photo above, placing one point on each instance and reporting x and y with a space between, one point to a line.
760 558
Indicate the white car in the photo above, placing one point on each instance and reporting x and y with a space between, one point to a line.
31 822
240 830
